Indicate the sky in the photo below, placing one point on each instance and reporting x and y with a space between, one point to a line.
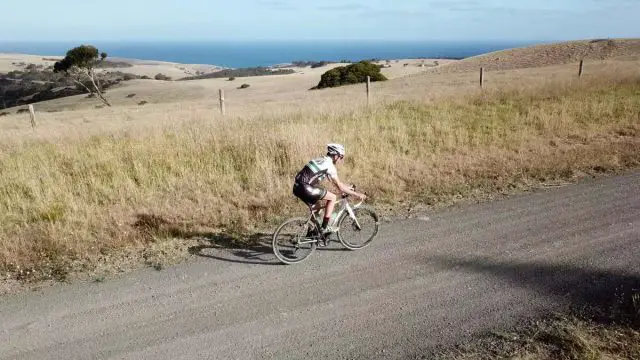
233 20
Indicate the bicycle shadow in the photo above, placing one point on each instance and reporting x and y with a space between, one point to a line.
251 249
333 245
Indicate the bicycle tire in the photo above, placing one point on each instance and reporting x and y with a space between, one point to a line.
364 216
293 247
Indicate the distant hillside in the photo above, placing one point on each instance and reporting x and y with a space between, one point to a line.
33 85
549 54
242 72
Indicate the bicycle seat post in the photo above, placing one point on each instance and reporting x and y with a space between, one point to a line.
313 212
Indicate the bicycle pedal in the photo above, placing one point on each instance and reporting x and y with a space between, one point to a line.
323 241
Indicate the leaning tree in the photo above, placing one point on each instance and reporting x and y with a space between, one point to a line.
80 65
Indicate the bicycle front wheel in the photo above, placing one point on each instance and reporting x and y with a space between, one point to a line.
358 233
290 241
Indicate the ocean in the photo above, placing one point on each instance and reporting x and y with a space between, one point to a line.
253 54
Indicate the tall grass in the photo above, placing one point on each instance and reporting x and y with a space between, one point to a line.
69 204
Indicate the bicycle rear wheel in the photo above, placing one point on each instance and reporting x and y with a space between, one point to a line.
358 234
290 242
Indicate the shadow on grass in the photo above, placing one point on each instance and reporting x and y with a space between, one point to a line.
603 295
251 249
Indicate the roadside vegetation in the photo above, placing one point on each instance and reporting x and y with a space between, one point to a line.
609 331
71 204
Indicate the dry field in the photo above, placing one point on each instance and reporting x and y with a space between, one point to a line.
172 102
269 91
560 338
11 62
105 189
551 54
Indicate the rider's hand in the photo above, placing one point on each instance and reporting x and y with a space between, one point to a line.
362 197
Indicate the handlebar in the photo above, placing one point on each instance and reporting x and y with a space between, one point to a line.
345 195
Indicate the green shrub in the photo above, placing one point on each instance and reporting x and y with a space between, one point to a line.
244 86
350 74
162 77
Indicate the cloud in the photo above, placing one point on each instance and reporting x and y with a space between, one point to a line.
397 13
461 5
615 4
371 12
475 7
531 10
345 7
277 5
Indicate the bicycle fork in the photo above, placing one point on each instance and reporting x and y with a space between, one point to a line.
352 214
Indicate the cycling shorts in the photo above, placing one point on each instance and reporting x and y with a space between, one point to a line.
309 194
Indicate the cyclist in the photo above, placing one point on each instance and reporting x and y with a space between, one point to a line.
307 190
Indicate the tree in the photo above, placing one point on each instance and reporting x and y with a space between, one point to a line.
351 74
80 64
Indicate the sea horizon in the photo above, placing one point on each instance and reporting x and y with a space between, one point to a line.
240 54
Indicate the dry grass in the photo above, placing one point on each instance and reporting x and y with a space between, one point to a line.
10 62
550 54
264 91
611 333
73 201
570 338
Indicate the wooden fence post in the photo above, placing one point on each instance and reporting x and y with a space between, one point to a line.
368 90
581 68
481 77
33 116
222 109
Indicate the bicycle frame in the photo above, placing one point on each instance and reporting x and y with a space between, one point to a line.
346 207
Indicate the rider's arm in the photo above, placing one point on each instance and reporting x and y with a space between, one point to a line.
344 188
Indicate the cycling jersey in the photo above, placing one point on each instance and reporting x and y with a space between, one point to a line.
316 170
312 173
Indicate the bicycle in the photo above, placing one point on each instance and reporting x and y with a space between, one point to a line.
297 238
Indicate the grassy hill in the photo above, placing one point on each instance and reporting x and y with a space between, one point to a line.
550 54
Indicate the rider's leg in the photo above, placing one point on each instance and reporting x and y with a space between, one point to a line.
315 208
331 202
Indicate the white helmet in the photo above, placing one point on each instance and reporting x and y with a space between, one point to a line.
335 149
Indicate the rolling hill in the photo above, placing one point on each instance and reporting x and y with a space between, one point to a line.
549 55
